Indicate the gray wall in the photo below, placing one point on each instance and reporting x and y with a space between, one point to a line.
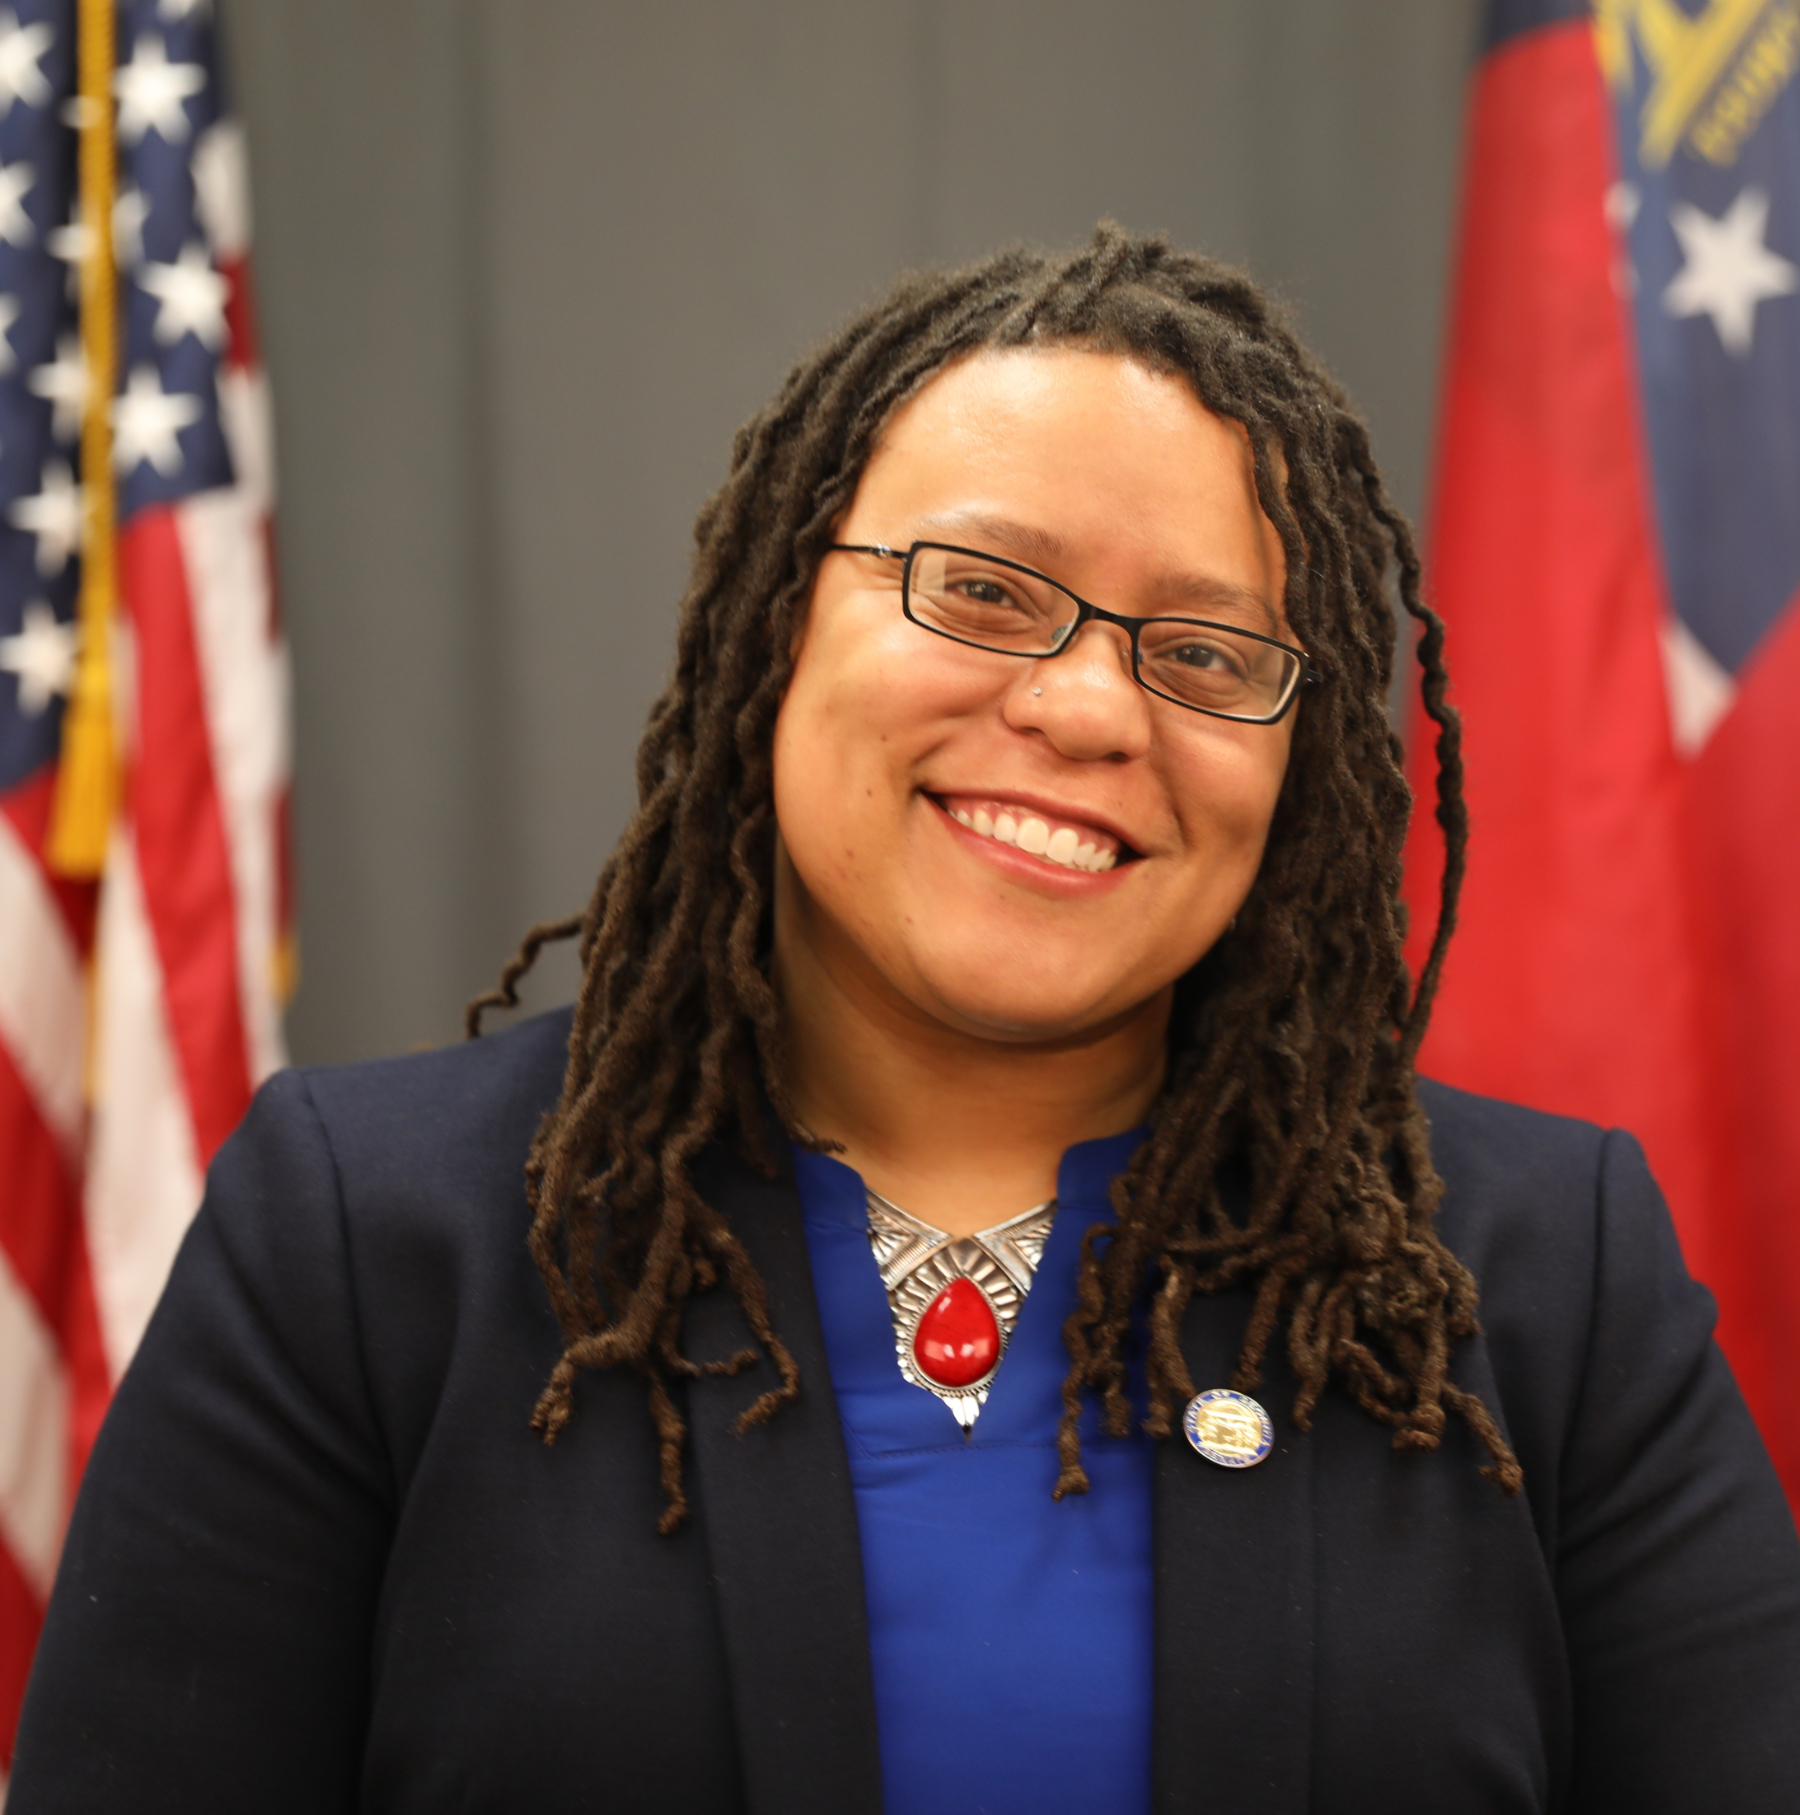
524 264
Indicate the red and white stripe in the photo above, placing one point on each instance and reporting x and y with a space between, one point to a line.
53 1376
137 1017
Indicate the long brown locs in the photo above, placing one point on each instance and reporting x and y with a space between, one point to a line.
1294 1039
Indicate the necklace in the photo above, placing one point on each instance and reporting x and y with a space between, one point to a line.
955 1298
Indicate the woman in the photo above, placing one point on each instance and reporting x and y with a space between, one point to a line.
987 1136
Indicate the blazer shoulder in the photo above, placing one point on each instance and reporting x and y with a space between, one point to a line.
330 1159
1521 1186
450 1103
1590 1320
1523 1206
1467 1128
427 1154
399 1184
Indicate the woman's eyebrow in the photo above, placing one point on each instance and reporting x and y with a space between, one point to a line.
1206 594
1201 594
1029 543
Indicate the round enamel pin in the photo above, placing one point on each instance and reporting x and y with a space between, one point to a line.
1228 1428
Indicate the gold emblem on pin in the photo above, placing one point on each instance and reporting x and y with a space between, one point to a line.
1228 1428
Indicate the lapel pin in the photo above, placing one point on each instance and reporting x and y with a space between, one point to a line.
1228 1428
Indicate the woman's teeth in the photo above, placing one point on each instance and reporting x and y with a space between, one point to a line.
1065 846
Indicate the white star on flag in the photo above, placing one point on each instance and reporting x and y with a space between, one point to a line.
151 91
53 516
130 211
64 382
191 295
15 185
1729 270
71 242
146 421
22 50
42 655
9 313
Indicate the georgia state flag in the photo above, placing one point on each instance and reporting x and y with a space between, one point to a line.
1616 550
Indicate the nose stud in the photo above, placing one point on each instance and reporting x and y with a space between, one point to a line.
1036 691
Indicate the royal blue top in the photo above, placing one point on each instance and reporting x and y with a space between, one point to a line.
1010 1633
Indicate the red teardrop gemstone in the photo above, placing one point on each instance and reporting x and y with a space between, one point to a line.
958 1338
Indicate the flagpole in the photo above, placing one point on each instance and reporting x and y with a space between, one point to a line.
87 782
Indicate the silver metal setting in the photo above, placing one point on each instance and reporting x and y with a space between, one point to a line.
918 1261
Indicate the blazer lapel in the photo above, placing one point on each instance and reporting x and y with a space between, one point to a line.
1234 1603
780 1525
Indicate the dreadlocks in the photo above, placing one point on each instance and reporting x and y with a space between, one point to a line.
1293 1041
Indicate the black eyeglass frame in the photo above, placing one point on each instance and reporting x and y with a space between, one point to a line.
1086 613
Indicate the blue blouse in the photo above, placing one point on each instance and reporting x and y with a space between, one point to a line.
1010 1633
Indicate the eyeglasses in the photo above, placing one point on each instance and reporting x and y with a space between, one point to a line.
988 602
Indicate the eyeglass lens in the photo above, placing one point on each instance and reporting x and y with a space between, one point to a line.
993 605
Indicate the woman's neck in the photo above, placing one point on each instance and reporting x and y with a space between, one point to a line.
961 1131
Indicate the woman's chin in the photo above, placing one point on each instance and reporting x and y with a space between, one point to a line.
1025 1003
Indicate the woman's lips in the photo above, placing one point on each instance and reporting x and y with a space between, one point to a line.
1067 843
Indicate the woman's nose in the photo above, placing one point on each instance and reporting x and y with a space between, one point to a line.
1085 699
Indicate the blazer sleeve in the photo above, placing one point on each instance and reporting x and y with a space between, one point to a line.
207 1643
1678 1564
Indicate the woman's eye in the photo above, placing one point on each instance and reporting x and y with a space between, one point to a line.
985 592
1207 656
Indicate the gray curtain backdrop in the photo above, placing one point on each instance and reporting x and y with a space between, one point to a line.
525 264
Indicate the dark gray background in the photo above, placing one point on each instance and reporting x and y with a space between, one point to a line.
525 264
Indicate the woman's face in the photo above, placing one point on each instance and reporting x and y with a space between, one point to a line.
900 754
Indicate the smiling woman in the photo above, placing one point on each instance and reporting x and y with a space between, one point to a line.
987 1137
893 751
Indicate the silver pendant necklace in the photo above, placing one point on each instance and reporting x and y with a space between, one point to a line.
955 1298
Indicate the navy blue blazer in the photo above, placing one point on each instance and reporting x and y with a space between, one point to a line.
320 1562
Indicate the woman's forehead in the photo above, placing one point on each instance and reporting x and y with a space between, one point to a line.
1060 456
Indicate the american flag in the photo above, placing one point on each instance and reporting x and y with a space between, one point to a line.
138 1007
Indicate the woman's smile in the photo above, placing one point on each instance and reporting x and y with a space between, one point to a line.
1047 836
